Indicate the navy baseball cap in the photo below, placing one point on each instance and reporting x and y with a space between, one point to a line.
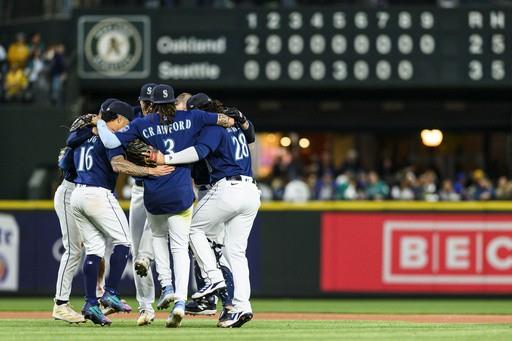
106 103
121 108
145 91
163 94
198 101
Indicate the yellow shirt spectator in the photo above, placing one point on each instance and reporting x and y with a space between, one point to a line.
18 53
15 82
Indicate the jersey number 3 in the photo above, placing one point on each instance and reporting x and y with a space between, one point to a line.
241 148
85 162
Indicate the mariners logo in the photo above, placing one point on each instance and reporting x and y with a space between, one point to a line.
113 47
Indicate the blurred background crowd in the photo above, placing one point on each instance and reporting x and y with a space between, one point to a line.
31 71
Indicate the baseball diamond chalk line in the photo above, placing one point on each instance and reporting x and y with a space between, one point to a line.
417 318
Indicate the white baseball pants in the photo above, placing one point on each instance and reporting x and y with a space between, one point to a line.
142 247
99 216
71 240
234 203
177 228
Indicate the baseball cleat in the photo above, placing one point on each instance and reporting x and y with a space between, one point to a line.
93 313
176 315
208 288
65 312
142 265
203 306
145 317
109 300
108 310
235 319
166 297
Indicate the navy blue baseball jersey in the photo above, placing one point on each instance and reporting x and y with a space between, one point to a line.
66 163
201 170
92 163
227 150
170 193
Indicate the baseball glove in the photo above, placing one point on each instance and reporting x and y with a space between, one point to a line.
82 121
140 153
236 115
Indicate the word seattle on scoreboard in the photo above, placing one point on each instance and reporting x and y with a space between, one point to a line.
332 48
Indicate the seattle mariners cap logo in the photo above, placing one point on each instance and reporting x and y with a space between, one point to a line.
149 90
113 46
165 93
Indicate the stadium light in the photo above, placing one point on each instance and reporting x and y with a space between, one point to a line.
286 141
304 143
431 138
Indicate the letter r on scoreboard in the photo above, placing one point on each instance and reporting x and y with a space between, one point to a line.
447 252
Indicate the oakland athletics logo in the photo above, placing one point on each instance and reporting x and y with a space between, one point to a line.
113 47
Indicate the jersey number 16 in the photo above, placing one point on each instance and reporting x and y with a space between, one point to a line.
241 148
85 162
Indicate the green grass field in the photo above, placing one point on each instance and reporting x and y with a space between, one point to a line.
124 328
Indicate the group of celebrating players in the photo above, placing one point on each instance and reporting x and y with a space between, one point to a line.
186 141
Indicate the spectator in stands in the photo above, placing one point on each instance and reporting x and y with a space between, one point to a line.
482 188
325 164
346 187
34 69
428 186
18 52
504 189
406 189
448 193
376 189
15 83
324 188
296 191
36 44
277 186
351 163
57 74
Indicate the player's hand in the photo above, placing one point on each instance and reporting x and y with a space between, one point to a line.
155 156
95 119
161 170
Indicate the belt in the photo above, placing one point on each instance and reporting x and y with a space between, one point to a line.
240 178
139 183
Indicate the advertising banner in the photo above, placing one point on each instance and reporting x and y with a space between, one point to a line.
9 253
416 253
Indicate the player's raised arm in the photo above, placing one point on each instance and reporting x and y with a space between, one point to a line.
121 165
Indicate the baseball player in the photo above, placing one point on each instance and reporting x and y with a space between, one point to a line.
233 200
99 215
206 305
169 199
141 233
71 239
142 263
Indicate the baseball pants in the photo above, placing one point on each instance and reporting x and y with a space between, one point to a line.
177 228
99 216
142 247
236 204
71 240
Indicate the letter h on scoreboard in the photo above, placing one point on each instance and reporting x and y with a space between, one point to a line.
447 252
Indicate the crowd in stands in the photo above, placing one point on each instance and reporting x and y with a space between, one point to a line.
319 179
31 71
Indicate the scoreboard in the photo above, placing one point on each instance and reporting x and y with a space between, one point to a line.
324 48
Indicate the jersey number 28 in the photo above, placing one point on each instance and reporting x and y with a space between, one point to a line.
85 162
241 148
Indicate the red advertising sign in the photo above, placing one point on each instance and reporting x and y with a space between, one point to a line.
424 253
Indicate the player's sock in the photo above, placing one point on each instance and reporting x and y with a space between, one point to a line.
230 285
60 302
91 270
118 261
